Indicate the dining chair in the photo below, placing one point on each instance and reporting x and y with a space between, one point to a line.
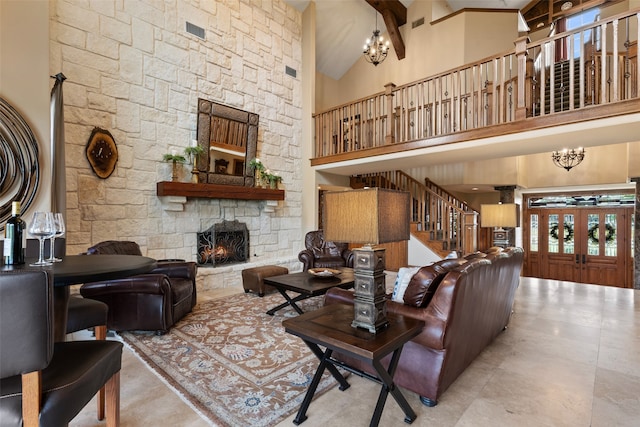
43 382
82 313
86 313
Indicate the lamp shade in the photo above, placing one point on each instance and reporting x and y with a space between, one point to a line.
501 215
369 216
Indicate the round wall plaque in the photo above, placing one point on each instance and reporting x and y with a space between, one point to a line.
102 152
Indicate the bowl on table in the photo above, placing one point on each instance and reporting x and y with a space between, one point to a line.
324 273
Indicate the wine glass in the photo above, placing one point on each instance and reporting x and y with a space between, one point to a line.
42 227
58 223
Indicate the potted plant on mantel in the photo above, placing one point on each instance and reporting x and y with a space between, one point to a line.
193 152
264 176
175 158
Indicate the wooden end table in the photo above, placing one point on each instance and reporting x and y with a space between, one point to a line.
306 285
330 327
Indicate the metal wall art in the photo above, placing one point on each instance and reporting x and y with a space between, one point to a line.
19 165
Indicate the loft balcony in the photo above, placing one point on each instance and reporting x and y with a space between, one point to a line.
589 74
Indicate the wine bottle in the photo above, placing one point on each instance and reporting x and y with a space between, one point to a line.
15 237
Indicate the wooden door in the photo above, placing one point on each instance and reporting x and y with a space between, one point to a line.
603 256
585 245
559 241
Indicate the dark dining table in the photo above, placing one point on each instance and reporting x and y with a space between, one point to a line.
77 269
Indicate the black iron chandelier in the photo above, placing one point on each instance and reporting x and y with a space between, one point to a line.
375 48
567 159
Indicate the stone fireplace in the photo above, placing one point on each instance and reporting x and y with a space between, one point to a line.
224 243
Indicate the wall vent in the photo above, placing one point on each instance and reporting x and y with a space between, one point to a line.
290 71
195 30
417 23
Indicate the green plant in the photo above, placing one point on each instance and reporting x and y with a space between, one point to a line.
256 165
272 178
263 174
174 157
193 151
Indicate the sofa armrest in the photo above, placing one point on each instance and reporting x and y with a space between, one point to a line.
338 296
307 259
178 269
140 284
432 334
348 256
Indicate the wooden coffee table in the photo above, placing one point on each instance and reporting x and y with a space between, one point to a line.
306 285
330 327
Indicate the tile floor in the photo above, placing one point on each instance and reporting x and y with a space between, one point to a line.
570 357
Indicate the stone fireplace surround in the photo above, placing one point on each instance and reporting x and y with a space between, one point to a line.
267 234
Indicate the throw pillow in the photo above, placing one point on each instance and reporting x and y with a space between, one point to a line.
402 280
423 285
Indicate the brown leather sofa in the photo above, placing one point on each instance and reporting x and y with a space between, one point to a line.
152 301
465 304
322 253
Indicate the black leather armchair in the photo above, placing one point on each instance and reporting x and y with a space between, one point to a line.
152 301
42 382
321 253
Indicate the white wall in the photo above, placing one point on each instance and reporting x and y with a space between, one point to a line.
24 78
419 254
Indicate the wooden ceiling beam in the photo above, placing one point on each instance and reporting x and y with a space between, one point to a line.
394 14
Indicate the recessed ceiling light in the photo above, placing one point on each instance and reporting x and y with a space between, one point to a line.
566 6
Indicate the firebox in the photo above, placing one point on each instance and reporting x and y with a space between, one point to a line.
223 244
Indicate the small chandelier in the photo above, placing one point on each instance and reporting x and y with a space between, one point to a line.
568 158
375 48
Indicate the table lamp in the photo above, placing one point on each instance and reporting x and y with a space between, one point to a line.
369 216
500 216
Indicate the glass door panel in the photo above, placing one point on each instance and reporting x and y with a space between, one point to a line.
593 233
533 233
569 234
554 246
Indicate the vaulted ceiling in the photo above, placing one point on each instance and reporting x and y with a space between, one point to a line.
343 25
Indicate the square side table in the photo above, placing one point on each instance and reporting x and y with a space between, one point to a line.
330 327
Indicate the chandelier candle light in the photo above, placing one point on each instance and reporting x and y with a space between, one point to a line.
376 49
568 158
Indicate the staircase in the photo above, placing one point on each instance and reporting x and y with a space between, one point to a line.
439 220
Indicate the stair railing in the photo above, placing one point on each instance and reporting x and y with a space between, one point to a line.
449 221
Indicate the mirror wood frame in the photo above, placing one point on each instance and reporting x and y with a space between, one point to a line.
230 129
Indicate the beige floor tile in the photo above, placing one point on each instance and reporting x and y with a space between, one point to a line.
616 399
570 357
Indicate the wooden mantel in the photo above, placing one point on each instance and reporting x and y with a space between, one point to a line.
216 191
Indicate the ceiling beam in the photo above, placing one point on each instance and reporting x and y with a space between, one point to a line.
394 14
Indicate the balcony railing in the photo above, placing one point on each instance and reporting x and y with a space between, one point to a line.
594 65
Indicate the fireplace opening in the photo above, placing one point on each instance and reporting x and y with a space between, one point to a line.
223 244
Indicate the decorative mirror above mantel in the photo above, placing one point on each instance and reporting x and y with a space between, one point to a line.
228 137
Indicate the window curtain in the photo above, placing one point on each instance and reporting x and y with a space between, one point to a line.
58 168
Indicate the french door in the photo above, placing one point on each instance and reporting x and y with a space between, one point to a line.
585 245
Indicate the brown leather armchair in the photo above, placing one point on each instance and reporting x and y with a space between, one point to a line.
152 301
321 253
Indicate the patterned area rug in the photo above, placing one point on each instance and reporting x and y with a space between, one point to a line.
233 362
